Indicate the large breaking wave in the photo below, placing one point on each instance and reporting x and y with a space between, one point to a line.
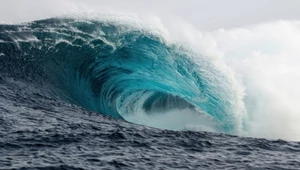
124 70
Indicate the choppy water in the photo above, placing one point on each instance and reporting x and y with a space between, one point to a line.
39 132
70 88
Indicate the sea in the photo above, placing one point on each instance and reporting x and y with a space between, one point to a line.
79 93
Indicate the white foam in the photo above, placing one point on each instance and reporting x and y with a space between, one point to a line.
262 64
185 119
265 60
27 39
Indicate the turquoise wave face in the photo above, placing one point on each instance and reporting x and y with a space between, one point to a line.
121 71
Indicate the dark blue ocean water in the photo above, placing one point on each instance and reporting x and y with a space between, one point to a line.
69 87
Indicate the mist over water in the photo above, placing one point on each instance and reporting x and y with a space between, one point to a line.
264 59
261 61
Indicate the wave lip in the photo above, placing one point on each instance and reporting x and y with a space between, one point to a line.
121 71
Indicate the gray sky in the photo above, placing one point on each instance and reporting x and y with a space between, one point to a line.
204 14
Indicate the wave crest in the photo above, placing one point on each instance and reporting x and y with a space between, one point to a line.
122 71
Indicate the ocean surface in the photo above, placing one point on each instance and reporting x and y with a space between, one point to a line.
78 93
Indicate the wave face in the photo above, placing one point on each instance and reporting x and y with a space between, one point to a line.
123 71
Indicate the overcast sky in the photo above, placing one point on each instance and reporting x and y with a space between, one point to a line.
204 14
